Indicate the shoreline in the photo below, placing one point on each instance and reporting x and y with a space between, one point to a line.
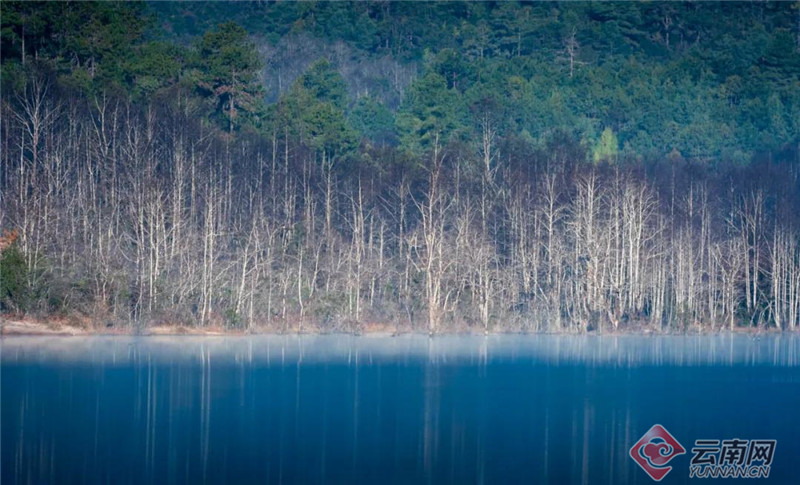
43 328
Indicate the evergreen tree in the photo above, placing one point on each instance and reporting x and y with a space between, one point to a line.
430 111
228 68
607 147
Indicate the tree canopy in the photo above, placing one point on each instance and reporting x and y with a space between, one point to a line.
713 81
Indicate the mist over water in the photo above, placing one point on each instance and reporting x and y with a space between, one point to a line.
411 409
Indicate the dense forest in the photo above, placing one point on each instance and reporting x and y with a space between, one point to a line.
336 166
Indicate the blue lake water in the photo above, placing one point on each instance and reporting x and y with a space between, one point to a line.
341 409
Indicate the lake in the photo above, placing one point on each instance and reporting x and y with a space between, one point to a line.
410 409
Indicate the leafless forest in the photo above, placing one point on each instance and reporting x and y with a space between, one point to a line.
142 216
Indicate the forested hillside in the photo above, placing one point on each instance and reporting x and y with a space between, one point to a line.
433 166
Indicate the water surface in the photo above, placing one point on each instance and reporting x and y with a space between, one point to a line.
341 409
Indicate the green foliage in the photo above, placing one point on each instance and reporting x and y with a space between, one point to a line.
233 319
430 112
373 120
158 65
228 68
711 81
314 110
13 280
92 43
327 128
324 84
453 68
607 148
